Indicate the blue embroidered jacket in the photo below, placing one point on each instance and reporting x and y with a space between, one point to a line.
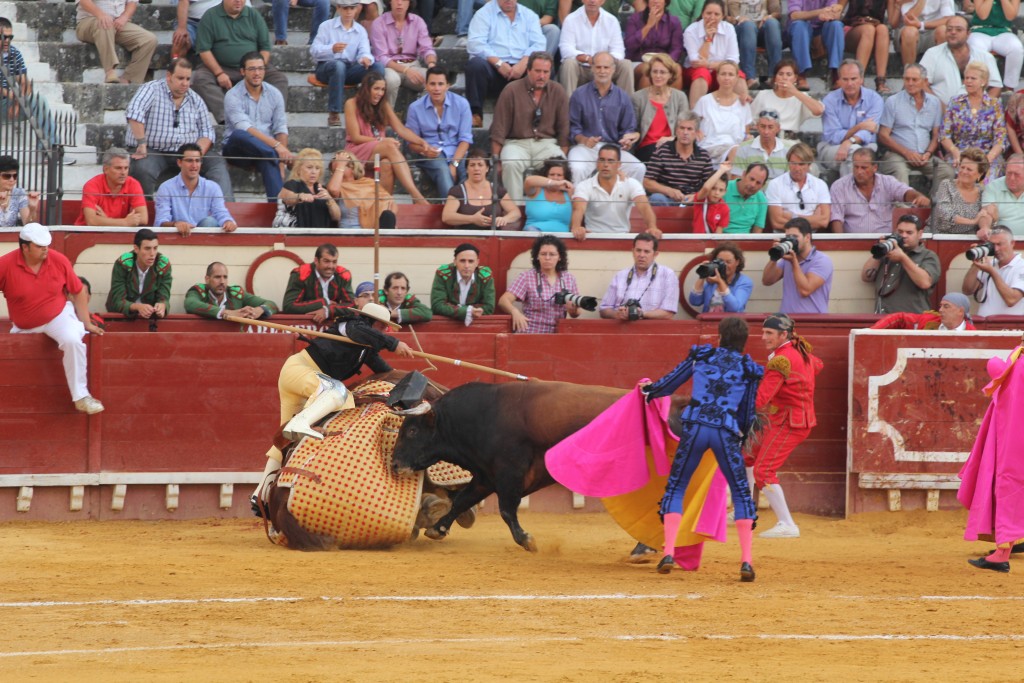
724 387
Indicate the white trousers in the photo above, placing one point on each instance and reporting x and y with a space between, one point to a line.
1009 46
583 163
520 156
68 331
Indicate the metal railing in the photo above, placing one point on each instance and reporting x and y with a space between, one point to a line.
34 134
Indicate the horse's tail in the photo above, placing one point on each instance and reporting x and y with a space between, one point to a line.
286 524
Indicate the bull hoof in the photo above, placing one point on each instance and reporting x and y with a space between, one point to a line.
529 544
467 519
435 534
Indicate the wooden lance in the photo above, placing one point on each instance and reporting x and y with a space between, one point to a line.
345 340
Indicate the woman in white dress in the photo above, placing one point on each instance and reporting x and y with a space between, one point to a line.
725 117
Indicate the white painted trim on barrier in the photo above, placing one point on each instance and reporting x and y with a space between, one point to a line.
129 478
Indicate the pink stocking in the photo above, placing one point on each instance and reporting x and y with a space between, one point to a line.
672 522
745 530
1000 554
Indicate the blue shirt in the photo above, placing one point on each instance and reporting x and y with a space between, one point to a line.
909 126
331 32
242 112
492 34
609 117
840 116
735 301
174 203
455 125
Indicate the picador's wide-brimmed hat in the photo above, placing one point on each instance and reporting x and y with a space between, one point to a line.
378 313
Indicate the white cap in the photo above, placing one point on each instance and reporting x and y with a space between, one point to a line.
378 313
36 234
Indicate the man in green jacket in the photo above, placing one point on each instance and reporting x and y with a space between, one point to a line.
322 289
140 284
404 306
217 297
463 290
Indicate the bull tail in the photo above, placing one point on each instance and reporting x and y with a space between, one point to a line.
286 524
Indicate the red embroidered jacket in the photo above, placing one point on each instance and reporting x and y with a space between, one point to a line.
787 390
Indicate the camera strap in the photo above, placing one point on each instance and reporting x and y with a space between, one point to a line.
629 281
540 284
891 276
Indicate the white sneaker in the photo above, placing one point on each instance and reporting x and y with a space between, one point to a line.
782 530
88 405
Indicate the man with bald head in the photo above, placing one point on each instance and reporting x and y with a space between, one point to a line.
216 298
954 315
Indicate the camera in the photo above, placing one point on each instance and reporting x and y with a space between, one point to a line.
633 309
980 251
587 303
885 245
787 244
706 270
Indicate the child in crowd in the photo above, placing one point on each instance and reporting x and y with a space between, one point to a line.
710 213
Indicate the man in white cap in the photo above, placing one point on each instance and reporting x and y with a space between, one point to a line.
311 380
34 280
954 315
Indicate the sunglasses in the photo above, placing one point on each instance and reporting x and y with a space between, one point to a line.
8 38
536 116
910 218
800 198
177 112
768 114
13 175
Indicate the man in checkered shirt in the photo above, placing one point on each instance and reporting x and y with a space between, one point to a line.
164 115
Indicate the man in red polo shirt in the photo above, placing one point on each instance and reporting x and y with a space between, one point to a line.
113 197
37 284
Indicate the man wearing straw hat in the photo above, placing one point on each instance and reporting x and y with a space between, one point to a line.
311 385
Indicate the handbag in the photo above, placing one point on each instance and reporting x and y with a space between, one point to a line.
283 218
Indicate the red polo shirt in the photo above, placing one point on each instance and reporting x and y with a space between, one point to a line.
34 299
97 193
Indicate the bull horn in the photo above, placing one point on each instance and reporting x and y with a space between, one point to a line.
422 409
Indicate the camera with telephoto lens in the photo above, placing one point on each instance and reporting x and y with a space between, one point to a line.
980 251
633 309
587 303
706 270
884 246
786 244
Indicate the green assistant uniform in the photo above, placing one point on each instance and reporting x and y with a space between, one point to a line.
201 301
125 288
444 294
411 310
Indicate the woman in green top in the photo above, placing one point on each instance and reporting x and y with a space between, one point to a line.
992 31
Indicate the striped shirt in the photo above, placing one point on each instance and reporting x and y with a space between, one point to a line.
153 107
538 297
686 175
14 63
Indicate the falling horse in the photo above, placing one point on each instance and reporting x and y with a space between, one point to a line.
340 491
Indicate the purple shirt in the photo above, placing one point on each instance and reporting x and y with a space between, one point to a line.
658 288
388 43
807 6
816 263
609 117
874 215
666 37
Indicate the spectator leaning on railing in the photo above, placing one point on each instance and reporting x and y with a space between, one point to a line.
215 298
113 197
188 201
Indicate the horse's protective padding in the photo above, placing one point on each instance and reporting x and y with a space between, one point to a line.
343 486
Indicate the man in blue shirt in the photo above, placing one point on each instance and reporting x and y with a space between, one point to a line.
502 36
342 53
256 125
188 201
851 119
443 120
601 113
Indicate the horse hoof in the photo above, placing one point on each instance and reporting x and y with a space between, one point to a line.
529 544
435 533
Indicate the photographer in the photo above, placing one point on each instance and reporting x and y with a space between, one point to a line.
806 273
647 291
903 270
714 293
996 280
539 288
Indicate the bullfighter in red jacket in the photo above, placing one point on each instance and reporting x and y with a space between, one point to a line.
786 396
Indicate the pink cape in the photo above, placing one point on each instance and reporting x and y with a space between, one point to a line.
609 458
992 479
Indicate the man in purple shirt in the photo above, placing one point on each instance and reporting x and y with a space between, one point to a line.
401 45
809 18
602 113
806 273
863 202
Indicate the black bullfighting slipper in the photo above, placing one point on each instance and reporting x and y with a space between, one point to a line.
642 554
747 573
666 564
982 563
1017 548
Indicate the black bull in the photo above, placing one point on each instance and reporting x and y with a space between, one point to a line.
499 432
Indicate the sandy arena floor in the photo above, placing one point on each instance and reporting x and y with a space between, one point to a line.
884 597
